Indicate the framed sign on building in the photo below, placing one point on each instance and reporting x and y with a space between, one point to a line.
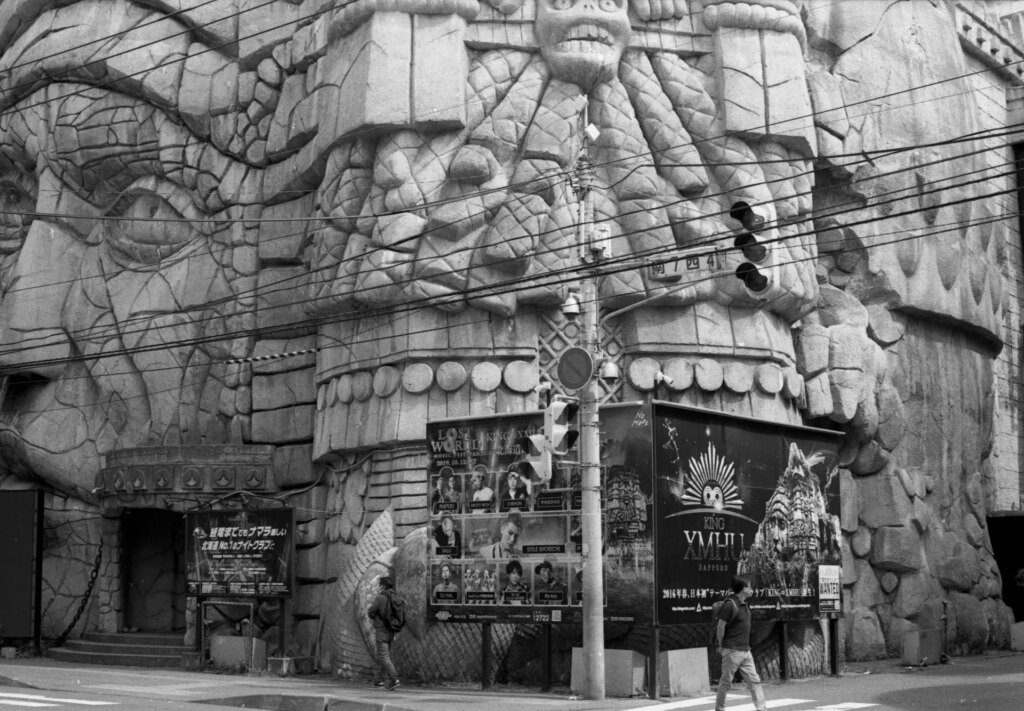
240 552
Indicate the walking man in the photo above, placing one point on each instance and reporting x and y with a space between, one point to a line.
387 675
733 636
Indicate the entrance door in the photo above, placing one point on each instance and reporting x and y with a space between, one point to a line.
154 567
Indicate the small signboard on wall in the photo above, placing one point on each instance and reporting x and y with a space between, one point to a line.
240 552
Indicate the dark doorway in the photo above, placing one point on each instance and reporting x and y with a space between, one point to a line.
154 570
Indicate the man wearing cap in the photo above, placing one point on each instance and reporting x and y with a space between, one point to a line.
516 494
550 590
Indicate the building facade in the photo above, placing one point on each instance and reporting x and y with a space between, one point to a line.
252 248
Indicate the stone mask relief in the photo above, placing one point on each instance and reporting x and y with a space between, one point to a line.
582 40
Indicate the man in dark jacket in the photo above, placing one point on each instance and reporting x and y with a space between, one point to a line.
387 675
733 636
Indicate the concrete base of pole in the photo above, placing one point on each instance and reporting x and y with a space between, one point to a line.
625 672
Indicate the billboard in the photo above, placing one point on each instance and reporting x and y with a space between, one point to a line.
741 496
240 552
690 498
503 546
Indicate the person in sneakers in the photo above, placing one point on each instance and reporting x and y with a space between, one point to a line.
387 675
733 637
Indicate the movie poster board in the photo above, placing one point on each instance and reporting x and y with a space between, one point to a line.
503 546
742 496
240 552
690 498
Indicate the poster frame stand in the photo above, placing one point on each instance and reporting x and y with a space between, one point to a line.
485 656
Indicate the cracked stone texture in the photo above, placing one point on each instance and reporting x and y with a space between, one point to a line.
175 200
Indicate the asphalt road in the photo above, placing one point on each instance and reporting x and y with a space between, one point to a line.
991 683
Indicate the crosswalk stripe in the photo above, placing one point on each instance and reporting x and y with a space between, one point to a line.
29 700
687 703
772 704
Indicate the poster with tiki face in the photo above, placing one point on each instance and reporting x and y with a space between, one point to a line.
742 497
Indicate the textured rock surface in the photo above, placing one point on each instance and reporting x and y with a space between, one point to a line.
317 228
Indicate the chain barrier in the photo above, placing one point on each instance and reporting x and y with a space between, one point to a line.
85 598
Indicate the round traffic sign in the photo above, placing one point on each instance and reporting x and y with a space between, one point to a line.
575 368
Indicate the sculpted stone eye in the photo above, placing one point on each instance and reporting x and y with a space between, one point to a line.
609 5
561 4
145 227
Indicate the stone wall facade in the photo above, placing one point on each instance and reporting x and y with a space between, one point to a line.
249 250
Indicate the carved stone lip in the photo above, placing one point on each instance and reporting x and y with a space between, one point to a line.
588 33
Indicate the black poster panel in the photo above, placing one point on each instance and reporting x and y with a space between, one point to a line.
240 552
19 515
740 496
1006 533
628 494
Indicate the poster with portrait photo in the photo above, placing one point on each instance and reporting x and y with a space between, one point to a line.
446 536
473 458
480 496
551 582
446 581
514 584
515 491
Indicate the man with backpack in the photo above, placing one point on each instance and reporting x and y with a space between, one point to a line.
388 615
732 634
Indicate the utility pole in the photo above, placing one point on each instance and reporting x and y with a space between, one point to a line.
590 444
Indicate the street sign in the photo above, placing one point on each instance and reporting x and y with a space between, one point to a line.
575 368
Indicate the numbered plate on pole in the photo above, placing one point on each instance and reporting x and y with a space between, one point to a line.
575 368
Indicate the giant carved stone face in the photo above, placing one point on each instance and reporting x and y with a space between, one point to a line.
582 40
109 265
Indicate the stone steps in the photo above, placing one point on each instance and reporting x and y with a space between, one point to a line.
127 649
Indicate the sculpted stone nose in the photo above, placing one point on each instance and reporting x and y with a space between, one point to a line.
31 325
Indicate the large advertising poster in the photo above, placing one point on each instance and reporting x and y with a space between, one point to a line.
738 496
240 552
503 545
628 512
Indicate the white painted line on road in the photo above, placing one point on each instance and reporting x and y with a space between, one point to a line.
772 704
31 699
848 706
686 703
25 704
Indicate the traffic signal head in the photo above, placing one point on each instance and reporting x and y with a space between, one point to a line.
559 425
753 251
536 465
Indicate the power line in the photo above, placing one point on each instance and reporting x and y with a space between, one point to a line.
206 305
486 289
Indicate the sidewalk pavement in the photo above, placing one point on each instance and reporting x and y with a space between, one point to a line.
316 692
163 689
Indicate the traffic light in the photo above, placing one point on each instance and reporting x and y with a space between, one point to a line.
536 466
753 251
559 426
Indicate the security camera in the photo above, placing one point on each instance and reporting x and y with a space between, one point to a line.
609 372
660 377
571 307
